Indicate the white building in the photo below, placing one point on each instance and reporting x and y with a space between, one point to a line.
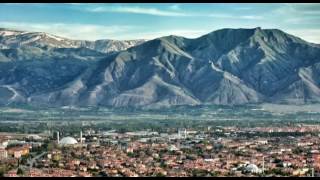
68 141
3 144
173 148
252 168
34 136
3 154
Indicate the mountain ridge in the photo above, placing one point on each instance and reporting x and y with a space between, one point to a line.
227 67
15 39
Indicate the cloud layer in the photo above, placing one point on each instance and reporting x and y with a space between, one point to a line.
94 32
136 10
147 21
72 31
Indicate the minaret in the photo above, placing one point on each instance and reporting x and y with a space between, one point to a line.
81 137
263 165
58 139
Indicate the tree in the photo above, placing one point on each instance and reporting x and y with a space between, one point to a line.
163 164
199 173
130 154
159 174
50 146
297 150
214 173
20 171
73 154
24 158
3 169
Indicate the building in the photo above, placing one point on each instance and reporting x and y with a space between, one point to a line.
300 172
316 160
173 148
34 137
68 141
3 143
252 168
19 151
11 173
3 154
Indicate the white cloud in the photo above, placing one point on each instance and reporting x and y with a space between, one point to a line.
243 8
220 15
72 31
74 4
310 35
229 16
94 32
312 12
251 17
177 32
175 7
137 10
175 11
312 20
298 9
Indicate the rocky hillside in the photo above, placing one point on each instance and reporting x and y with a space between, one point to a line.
227 66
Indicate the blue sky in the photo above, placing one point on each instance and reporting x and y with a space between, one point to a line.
147 21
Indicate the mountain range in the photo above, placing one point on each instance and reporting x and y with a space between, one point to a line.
225 67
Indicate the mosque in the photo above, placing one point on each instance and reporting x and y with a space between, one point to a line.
69 141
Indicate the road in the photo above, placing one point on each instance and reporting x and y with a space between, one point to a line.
31 162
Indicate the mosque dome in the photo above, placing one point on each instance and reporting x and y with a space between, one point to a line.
68 141
252 168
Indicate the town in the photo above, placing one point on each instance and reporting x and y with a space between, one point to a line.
289 150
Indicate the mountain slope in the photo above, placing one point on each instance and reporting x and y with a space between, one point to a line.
228 66
14 39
